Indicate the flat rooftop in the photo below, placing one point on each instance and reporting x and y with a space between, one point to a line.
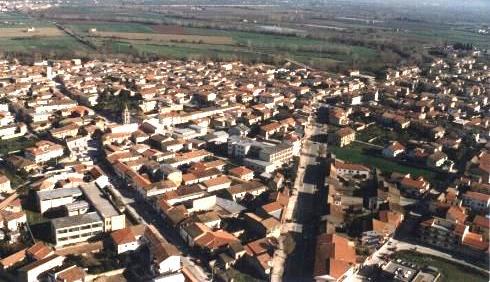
59 193
101 204
76 220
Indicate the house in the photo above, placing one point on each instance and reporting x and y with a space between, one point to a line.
335 258
44 151
13 220
31 272
127 239
414 187
393 150
263 226
437 159
165 256
242 172
11 260
259 254
337 116
349 169
387 223
71 273
5 184
478 202
238 191
39 251
343 137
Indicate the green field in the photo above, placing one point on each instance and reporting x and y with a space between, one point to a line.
354 153
371 47
84 28
450 271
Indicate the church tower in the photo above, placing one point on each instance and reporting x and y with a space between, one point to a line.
126 115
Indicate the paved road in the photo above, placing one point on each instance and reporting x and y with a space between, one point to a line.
302 214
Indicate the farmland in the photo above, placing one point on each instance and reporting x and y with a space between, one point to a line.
152 37
23 33
334 36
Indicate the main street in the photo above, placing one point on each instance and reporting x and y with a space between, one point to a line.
302 214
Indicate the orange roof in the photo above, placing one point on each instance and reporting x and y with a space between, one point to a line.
418 184
39 251
240 171
481 221
217 181
258 247
13 258
123 236
457 214
73 273
475 240
391 217
350 166
271 207
215 240
477 196
334 255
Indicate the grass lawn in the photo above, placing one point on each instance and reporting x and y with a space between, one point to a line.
354 153
449 271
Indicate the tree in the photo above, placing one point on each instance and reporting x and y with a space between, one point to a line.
289 244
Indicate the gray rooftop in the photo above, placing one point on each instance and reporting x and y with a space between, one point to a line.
101 204
230 206
59 193
76 220
77 205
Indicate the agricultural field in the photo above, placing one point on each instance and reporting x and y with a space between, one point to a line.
15 32
158 37
332 37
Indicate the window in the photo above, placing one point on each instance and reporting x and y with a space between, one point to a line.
62 231
74 229
85 227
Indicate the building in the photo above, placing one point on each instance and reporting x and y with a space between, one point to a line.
71 273
393 150
442 233
478 202
414 187
335 258
278 154
128 239
56 198
76 229
44 151
242 172
238 191
112 219
343 137
5 184
31 272
125 115
348 169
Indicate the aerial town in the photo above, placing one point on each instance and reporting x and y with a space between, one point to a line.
223 171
